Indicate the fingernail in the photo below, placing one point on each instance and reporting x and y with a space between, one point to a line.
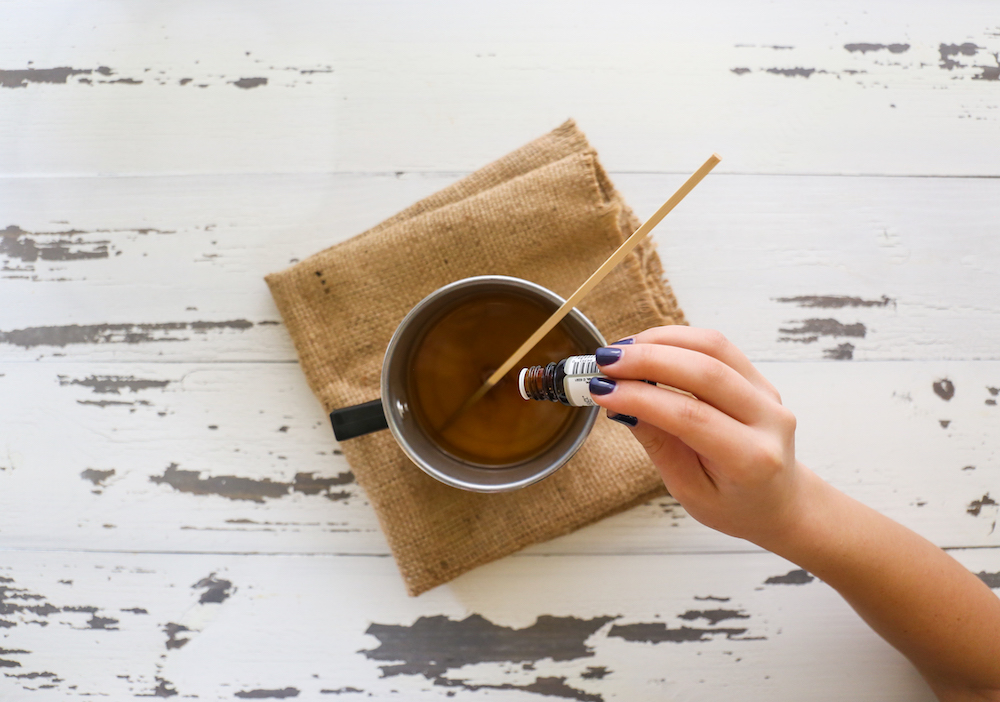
606 355
626 419
602 386
624 342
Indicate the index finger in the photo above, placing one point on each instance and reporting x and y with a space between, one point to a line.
711 343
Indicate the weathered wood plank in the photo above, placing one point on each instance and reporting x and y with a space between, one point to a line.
240 458
790 268
627 627
317 86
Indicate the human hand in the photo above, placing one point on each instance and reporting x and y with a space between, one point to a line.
728 453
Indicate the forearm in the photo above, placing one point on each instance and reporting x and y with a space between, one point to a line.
726 451
913 594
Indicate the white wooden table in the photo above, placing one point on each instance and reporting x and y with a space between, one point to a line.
156 434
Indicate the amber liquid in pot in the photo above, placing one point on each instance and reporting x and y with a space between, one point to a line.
460 349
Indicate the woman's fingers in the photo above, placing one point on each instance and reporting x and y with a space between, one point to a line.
707 431
708 378
711 343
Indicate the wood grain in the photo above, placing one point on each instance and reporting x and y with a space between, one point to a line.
387 87
216 624
241 458
752 256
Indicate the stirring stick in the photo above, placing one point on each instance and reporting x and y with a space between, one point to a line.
588 285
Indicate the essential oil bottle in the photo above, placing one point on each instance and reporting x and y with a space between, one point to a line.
567 381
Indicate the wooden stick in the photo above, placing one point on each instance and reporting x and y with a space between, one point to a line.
590 283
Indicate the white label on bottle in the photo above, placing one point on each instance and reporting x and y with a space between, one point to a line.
581 365
579 371
577 389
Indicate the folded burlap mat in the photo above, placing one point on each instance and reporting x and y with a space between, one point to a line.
546 212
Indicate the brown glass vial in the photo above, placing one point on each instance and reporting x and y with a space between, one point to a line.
566 382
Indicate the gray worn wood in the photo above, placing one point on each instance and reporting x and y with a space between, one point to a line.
240 458
217 625
872 268
175 516
847 87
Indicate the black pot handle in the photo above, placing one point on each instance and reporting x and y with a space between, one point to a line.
357 420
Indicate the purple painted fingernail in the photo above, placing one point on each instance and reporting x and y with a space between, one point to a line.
602 386
624 342
607 355
626 419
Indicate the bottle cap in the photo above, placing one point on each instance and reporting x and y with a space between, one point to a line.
520 383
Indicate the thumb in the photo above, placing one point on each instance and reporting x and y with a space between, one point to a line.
678 464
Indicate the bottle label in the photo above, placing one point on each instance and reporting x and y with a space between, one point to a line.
582 365
579 371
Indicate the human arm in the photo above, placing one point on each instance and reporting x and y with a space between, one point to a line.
729 458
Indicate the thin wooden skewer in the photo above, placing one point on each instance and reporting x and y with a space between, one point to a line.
620 253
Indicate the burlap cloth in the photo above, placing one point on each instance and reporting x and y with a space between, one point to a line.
546 212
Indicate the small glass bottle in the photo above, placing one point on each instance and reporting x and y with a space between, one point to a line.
566 382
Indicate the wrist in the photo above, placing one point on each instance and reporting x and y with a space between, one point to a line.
795 531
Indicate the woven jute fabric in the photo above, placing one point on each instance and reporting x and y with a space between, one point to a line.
547 213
